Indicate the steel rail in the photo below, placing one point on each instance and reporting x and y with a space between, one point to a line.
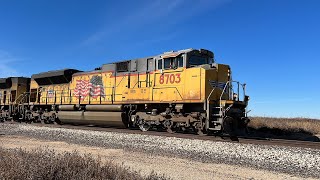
239 140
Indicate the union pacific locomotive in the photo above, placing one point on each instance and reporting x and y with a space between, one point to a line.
177 90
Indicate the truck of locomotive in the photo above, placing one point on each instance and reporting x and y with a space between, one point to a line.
183 90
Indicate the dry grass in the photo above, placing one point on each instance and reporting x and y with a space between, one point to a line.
303 125
21 164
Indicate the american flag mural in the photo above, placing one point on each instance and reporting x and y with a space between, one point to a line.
93 87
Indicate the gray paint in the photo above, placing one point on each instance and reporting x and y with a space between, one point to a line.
150 63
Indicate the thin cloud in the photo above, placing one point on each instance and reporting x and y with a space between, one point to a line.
157 13
6 65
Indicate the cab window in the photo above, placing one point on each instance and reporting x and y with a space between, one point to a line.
160 64
180 62
197 60
173 62
168 63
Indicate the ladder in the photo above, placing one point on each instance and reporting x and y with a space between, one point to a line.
217 118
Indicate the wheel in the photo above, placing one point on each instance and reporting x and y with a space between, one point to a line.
29 118
52 119
198 128
229 126
168 125
144 126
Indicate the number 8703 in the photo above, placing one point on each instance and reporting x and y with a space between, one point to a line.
170 78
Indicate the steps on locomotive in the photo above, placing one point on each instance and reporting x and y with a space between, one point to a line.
217 118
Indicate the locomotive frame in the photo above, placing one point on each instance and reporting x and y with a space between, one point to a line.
176 90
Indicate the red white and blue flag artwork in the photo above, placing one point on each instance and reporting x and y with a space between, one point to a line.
93 87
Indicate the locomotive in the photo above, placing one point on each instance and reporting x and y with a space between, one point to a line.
177 90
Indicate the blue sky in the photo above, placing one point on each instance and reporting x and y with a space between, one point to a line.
272 45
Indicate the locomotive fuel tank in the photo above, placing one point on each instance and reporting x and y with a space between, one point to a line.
101 115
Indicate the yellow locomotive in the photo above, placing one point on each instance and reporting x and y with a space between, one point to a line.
176 90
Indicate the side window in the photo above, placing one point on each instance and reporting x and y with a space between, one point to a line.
180 61
167 63
160 64
173 63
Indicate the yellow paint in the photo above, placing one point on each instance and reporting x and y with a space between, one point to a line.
13 94
174 85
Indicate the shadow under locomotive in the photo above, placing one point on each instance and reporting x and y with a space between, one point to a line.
276 133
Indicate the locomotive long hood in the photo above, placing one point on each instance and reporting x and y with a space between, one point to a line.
5 83
54 77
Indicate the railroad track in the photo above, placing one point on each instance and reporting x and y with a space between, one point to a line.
244 140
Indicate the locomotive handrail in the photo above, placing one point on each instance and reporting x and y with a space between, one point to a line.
238 90
21 97
48 99
224 89
208 104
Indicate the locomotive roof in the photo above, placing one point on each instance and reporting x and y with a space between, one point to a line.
157 56
166 54
64 72
54 73
54 77
112 65
8 79
3 80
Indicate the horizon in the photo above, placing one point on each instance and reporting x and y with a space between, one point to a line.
270 45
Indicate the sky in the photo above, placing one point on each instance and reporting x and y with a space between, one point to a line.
271 45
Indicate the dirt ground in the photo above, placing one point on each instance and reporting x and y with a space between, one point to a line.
174 168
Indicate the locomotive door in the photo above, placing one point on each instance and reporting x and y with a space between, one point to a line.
192 90
150 68
108 80
167 85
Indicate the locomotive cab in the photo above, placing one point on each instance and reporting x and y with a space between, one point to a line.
199 57
186 58
203 90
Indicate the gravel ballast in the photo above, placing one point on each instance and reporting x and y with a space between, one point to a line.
292 160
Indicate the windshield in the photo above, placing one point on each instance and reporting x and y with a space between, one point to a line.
197 60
